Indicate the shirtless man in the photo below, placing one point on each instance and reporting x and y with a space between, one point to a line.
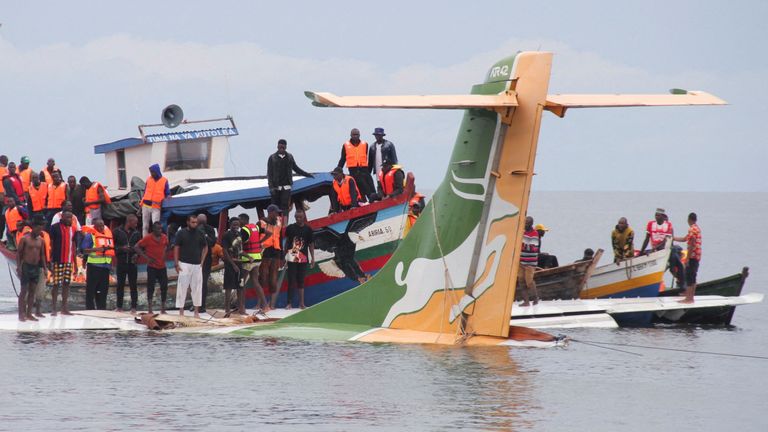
30 260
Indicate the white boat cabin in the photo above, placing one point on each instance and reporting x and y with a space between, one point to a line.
187 151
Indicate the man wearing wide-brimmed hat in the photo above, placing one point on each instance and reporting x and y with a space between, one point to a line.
380 151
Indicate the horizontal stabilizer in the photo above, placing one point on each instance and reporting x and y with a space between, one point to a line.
558 103
501 100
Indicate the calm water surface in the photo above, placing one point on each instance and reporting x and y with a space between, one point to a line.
151 381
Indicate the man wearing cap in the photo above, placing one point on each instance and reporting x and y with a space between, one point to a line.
545 260
280 168
391 179
25 172
657 231
354 153
344 194
156 189
380 151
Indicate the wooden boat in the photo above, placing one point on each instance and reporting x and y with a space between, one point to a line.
563 282
729 286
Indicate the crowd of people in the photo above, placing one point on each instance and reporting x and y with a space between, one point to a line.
57 227
658 231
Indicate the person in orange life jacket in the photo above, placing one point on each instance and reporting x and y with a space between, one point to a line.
657 231
63 259
3 173
380 150
14 214
413 214
37 195
25 172
98 244
280 168
95 197
57 195
125 238
272 257
14 185
46 174
210 238
344 193
253 236
30 267
156 189
354 153
391 179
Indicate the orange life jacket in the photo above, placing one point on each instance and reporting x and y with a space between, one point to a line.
343 194
48 176
388 181
26 177
274 240
357 155
154 191
252 246
56 195
417 197
37 196
3 173
92 194
12 218
101 240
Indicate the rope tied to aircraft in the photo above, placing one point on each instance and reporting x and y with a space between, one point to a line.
599 343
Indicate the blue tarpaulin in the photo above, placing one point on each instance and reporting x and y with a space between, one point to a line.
215 196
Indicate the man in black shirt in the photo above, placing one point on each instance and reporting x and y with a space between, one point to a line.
299 242
210 238
232 245
280 168
125 238
189 252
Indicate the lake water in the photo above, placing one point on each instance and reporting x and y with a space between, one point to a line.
141 381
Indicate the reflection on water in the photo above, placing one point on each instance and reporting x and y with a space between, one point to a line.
155 380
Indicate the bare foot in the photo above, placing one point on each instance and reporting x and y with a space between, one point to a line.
525 304
66 312
133 311
22 319
162 311
149 311
31 318
686 301
119 310
197 315
288 307
39 315
535 302
53 314
302 307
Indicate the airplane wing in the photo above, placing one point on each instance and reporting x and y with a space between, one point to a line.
501 100
559 103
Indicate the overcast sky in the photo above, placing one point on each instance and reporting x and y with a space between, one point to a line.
75 74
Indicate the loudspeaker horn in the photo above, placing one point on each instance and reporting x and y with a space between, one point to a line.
172 116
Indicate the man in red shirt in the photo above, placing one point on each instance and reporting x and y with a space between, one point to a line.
657 231
529 258
693 238
153 248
